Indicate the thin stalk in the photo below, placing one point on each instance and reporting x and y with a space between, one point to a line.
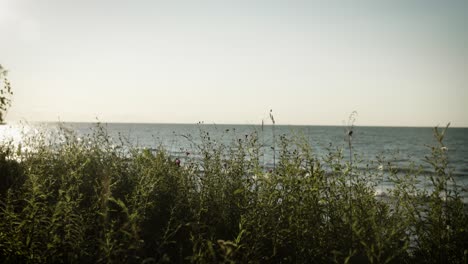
274 138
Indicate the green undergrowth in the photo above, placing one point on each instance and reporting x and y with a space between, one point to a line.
99 200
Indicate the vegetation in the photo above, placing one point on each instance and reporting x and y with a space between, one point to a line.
5 93
98 200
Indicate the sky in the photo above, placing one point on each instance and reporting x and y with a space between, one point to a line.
397 63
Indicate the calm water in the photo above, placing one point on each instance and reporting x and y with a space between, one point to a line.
401 145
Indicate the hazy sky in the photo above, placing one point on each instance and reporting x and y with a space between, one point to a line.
312 62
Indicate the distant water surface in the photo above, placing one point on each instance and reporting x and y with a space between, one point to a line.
401 145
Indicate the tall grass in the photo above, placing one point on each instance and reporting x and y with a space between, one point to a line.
97 199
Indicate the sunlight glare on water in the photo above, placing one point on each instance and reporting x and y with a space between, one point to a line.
10 133
16 133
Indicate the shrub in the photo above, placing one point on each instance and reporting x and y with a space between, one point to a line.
95 199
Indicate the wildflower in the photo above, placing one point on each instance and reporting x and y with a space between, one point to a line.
444 148
177 162
380 167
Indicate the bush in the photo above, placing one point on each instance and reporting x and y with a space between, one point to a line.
96 200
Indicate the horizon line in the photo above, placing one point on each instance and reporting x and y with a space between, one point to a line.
228 124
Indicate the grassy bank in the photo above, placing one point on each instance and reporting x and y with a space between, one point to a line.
98 200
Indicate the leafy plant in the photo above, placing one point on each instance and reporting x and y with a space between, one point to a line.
96 199
5 94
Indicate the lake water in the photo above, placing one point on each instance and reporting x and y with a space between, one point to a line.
401 145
